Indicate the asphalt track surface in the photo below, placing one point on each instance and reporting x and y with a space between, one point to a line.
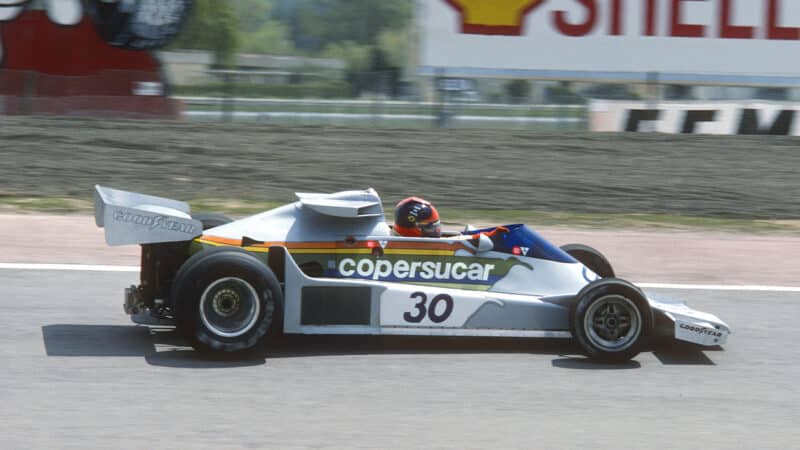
77 374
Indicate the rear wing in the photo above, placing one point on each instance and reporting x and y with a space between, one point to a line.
131 218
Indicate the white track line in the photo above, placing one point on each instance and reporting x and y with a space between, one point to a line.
694 287
70 267
719 287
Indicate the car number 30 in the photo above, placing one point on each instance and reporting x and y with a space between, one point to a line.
432 310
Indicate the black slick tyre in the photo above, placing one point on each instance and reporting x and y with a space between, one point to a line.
211 220
611 320
591 258
226 300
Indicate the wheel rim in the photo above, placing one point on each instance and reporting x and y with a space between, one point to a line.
229 307
613 323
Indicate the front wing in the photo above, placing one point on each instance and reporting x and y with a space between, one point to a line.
683 323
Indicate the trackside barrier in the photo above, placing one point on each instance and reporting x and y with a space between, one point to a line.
114 93
724 117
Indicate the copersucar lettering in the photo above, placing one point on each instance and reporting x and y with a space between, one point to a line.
426 270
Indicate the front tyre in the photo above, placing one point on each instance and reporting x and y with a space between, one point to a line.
226 300
611 320
591 258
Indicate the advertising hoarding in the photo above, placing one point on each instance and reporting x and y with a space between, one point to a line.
753 42
721 117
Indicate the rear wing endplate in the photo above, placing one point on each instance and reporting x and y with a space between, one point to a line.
131 218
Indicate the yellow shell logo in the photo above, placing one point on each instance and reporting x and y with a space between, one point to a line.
497 17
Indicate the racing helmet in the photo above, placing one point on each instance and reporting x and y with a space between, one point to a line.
416 217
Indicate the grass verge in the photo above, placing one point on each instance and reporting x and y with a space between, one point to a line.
56 205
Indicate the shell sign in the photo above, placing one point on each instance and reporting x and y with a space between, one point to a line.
498 17
743 42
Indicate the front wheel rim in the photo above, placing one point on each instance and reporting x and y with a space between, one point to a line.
229 307
613 323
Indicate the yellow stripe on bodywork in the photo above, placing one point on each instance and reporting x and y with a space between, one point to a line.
465 286
215 244
331 251
340 251
355 251
257 249
413 251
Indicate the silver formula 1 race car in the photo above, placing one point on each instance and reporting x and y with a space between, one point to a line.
329 264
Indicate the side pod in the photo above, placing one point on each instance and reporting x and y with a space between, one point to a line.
327 306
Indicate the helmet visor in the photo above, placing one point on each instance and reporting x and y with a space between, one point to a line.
433 229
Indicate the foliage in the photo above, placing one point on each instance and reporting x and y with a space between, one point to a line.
358 21
368 35
356 56
212 26
252 14
395 44
270 38
307 25
259 32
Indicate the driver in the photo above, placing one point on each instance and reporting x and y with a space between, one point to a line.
416 217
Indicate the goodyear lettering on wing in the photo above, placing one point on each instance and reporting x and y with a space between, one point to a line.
154 222
701 330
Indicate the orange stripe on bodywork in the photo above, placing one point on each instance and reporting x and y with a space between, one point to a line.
391 245
214 240
490 233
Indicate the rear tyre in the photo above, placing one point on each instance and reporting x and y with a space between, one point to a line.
611 320
591 258
211 220
226 300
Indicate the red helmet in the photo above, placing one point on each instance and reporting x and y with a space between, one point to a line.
416 217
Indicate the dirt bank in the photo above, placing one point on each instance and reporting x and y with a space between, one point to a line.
755 177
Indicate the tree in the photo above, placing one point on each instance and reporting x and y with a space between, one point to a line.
252 14
212 26
325 22
357 57
260 33
395 44
270 38
369 35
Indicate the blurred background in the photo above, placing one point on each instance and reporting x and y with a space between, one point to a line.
397 64
662 132
519 104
